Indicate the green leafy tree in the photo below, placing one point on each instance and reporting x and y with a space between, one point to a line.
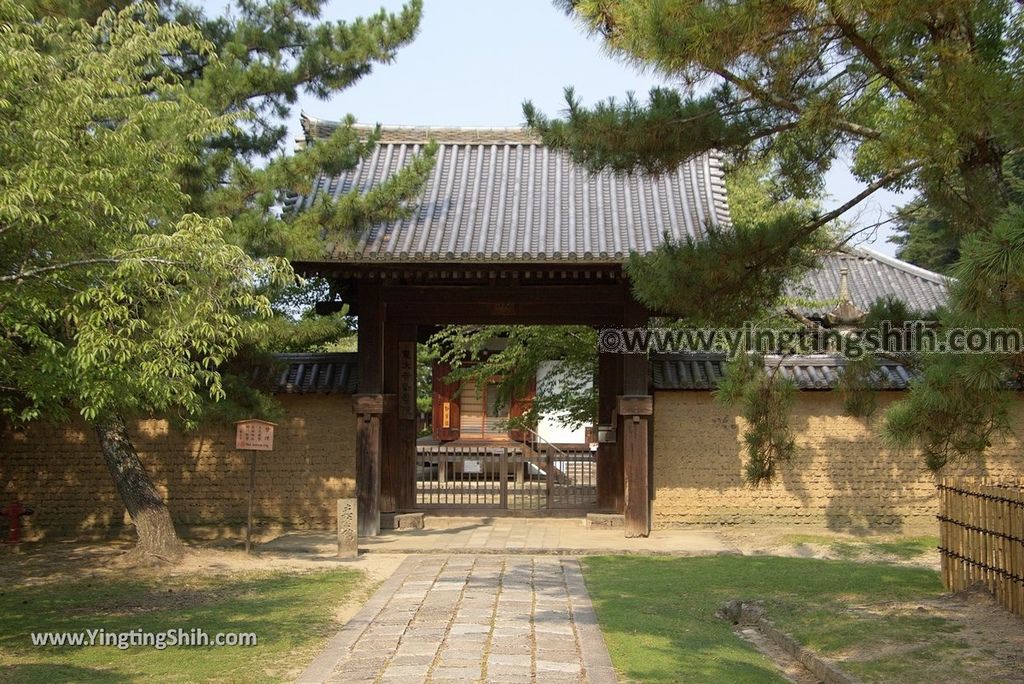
267 53
924 238
259 56
264 54
920 95
571 390
223 158
114 300
961 402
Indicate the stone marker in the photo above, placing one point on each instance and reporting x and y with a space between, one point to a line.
348 537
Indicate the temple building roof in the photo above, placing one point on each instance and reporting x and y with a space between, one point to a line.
870 276
500 195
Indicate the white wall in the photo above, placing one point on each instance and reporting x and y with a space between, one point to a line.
550 427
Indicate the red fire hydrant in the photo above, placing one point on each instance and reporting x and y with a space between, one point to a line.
15 512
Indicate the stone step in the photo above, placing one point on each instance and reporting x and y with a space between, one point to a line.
605 521
444 522
401 521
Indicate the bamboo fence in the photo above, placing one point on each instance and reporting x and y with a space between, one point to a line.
981 537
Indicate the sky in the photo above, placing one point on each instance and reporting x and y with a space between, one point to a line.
474 62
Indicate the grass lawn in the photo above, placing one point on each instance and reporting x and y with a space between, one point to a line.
291 614
657 615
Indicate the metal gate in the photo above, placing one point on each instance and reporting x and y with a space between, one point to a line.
504 478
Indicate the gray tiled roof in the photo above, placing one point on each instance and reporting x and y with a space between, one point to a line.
315 373
500 195
871 275
339 372
696 371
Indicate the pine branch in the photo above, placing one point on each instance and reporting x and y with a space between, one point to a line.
871 53
887 179
761 94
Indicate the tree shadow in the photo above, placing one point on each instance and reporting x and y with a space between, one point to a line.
57 672
58 470
841 477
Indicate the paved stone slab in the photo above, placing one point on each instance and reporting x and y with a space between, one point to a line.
463 618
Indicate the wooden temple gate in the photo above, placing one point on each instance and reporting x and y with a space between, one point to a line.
505 231
400 305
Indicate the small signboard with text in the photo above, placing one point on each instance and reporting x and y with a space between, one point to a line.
254 435
407 380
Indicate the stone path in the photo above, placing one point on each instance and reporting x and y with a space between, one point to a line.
462 618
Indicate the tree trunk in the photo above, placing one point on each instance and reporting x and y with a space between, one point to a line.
145 506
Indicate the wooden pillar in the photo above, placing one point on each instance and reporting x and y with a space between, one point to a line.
635 412
369 410
369 407
635 408
610 486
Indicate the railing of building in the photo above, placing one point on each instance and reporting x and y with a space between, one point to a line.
478 477
574 472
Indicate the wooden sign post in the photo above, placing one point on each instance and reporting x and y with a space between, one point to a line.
253 435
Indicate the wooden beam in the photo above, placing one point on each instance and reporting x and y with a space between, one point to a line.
460 311
389 469
454 271
578 293
369 410
398 461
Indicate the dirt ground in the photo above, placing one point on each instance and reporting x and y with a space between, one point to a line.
989 644
822 544
63 561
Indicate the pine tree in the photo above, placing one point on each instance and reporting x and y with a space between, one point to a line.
920 95
924 238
